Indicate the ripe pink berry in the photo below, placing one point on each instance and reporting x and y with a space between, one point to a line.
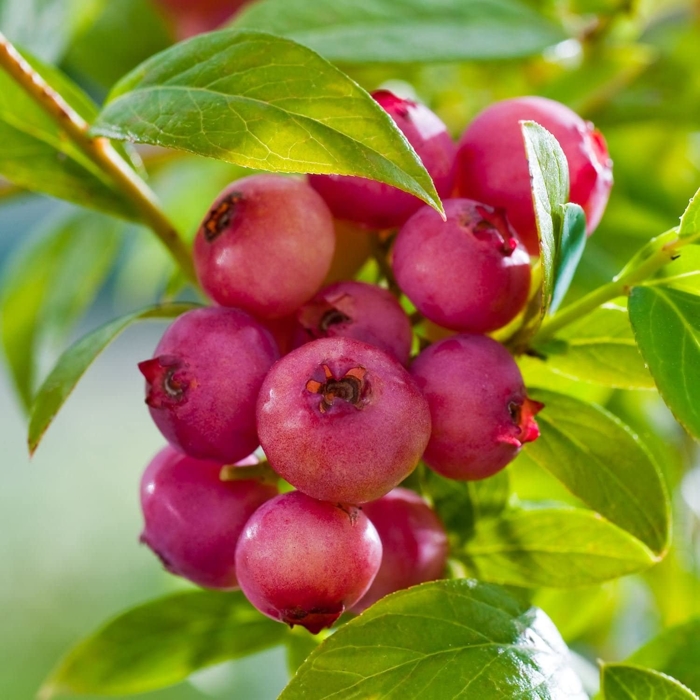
193 17
202 383
492 168
414 544
193 519
481 414
265 246
356 310
341 420
304 562
469 273
381 206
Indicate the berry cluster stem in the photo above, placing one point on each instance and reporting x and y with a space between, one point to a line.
99 150
659 252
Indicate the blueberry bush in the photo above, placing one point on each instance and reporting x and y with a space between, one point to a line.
421 428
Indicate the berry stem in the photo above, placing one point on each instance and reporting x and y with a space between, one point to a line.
652 257
99 150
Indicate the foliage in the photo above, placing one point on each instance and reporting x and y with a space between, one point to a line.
608 331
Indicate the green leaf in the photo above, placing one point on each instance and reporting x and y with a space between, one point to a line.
690 221
460 504
262 102
75 361
51 283
406 31
666 324
162 642
552 547
299 645
573 241
676 652
627 682
440 640
602 462
599 348
37 154
549 177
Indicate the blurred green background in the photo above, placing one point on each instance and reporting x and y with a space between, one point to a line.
69 518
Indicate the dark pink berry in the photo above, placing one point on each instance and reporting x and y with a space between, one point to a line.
357 310
492 167
265 246
193 519
414 544
203 382
469 273
480 412
381 206
304 562
341 420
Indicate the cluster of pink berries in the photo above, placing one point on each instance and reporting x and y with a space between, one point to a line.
323 382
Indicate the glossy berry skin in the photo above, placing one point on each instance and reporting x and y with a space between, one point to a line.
481 414
193 519
304 562
492 168
469 273
357 310
381 206
342 421
414 544
265 246
203 382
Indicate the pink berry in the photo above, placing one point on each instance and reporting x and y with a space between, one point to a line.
203 382
481 414
341 420
469 273
193 17
357 310
265 246
193 519
414 544
304 562
492 168
381 206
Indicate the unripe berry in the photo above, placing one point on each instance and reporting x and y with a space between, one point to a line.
341 420
375 204
480 412
265 246
414 544
193 519
492 167
469 273
360 311
304 562
353 246
203 382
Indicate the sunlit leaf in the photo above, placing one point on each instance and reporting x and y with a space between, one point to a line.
627 682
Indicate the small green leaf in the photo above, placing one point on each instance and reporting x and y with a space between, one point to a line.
599 348
75 361
162 642
51 282
573 241
37 154
627 682
406 31
676 652
602 462
549 177
262 102
666 325
440 640
553 547
690 221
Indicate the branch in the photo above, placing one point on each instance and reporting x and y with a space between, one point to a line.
99 150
